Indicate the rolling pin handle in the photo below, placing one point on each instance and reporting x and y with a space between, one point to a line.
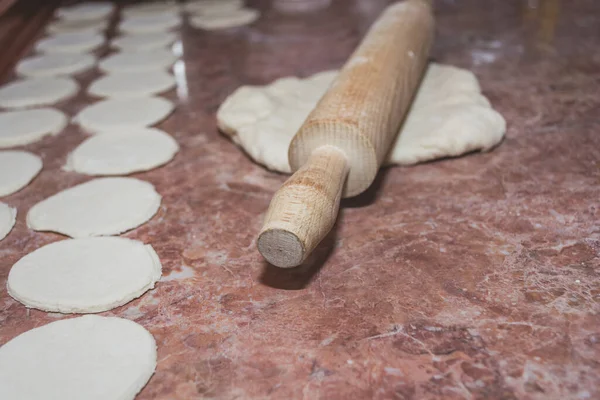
304 209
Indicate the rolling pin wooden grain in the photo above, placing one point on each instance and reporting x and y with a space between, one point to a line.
341 145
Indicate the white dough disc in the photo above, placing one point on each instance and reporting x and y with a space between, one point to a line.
100 207
84 275
149 23
73 42
124 85
37 92
17 169
449 117
89 357
8 216
86 11
213 6
55 64
122 153
122 114
160 59
62 26
151 8
144 41
27 126
229 19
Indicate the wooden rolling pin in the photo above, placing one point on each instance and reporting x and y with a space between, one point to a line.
341 145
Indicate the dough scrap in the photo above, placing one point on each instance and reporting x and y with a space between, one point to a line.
17 169
213 6
132 84
224 20
161 59
8 215
449 117
84 275
86 11
144 41
122 153
123 114
55 65
66 26
150 23
88 357
151 8
100 207
72 42
27 126
37 92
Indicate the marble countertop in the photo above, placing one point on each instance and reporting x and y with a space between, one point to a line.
468 278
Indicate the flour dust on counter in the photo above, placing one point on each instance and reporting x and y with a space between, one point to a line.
149 23
22 127
88 357
132 84
100 207
449 117
37 92
224 20
72 42
122 153
160 59
62 26
84 275
85 12
121 114
8 216
55 65
17 169
144 42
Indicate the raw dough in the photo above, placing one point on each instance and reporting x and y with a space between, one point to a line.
132 84
84 275
144 41
161 59
100 207
89 357
37 92
72 42
23 127
86 11
151 8
122 153
229 19
17 169
449 117
55 64
213 6
122 114
7 221
149 23
62 26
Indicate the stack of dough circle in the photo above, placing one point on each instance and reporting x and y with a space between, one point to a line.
213 6
73 42
150 23
161 59
122 153
144 41
84 275
100 207
147 9
55 64
37 92
7 220
132 84
86 11
223 20
27 126
89 357
61 26
17 169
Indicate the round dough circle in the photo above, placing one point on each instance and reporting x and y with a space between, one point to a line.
144 42
84 275
8 216
214 6
132 84
85 11
89 357
17 169
137 62
146 9
23 127
61 26
73 42
122 153
111 115
230 19
150 23
100 207
37 92
55 64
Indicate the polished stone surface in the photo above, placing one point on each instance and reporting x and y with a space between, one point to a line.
469 278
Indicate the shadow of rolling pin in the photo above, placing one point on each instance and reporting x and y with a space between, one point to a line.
341 145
